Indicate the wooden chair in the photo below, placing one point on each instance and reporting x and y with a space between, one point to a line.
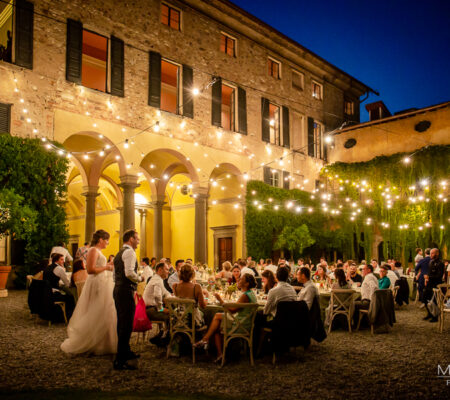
140 288
181 314
342 302
361 315
234 327
80 286
394 292
63 309
442 293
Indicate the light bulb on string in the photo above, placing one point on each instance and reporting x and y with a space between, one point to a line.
156 128
126 145
406 160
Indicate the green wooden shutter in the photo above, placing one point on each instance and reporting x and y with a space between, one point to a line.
24 34
188 98
242 111
216 106
74 49
265 119
311 136
267 175
286 181
117 67
286 137
154 84
5 118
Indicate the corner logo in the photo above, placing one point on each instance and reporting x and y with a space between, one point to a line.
444 372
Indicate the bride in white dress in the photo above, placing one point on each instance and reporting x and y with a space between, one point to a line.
93 326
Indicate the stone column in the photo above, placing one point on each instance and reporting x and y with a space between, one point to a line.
158 203
200 243
120 231
90 192
244 235
143 227
128 184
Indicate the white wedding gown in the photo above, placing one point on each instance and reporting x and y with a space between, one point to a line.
93 326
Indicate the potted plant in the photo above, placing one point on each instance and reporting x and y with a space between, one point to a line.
17 220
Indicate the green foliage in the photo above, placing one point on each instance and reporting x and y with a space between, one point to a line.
26 168
294 238
16 218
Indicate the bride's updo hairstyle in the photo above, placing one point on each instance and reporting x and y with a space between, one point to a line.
100 234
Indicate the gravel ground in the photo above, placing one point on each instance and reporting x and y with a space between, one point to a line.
398 365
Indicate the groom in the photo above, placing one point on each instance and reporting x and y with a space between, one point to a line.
126 279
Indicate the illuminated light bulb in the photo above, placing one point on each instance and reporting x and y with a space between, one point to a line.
139 174
270 199
84 102
440 195
354 205
443 183
29 120
322 185
305 181
421 198
171 184
117 157
86 156
230 142
276 207
190 186
358 210
195 144
389 206
152 166
214 202
102 153
441 227
187 158
312 197
214 183
363 189
242 185
124 130
16 90
255 202
324 196
260 207
35 131
48 145
22 100
156 127
310 210
272 122
352 218
223 187
236 205
15 79
166 176
298 209
182 124
367 201
126 145
424 182
420 228
341 188
87 113
94 125
218 134
205 155
195 91
239 196
228 176
69 155
152 180
128 166
24 110
328 139
198 169
427 224
142 155
253 192
406 160
245 176
289 204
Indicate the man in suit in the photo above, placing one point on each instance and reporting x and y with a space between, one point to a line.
126 279
432 278
421 271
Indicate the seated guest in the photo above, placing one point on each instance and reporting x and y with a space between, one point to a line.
270 266
155 293
226 271
368 287
398 269
244 268
353 276
252 266
295 283
341 281
321 273
236 274
376 267
55 272
185 289
175 277
283 291
79 273
392 275
268 280
384 282
147 271
246 283
261 265
309 290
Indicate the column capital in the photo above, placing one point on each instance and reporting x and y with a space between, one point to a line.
90 191
129 182
200 193
142 211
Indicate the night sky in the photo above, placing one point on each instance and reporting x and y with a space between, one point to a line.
399 48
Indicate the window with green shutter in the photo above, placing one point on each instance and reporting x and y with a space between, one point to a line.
5 118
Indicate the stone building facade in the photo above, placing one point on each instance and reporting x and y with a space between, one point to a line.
166 109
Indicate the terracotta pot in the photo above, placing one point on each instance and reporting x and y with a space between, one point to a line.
4 272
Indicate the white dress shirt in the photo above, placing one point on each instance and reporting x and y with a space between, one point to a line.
272 268
155 292
247 270
392 277
368 287
129 260
60 272
147 272
63 251
308 293
174 278
283 291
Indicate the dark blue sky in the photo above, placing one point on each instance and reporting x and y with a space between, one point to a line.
399 48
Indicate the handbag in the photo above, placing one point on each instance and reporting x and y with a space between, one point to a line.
141 323
433 307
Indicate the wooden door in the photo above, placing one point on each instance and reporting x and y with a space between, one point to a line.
225 250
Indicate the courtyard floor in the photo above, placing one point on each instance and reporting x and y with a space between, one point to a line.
399 365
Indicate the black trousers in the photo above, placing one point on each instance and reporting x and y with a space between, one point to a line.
125 306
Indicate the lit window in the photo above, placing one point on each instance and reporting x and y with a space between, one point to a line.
318 140
297 80
170 16
316 90
6 32
274 177
274 124
348 107
228 45
94 61
273 68
228 107
170 74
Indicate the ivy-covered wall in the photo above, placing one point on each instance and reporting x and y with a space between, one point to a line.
403 204
39 176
